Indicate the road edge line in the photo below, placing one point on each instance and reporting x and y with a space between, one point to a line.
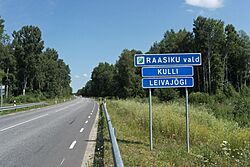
88 158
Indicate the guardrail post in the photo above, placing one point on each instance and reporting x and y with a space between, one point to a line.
112 135
114 132
14 107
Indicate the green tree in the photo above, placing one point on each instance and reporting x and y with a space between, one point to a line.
54 78
244 60
237 56
7 60
128 78
103 80
64 78
173 42
176 42
27 45
87 90
209 39
231 46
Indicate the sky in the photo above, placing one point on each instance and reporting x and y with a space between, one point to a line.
87 32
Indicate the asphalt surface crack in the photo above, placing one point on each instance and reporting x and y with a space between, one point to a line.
39 149
71 122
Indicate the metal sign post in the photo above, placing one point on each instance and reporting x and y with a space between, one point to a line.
150 121
187 122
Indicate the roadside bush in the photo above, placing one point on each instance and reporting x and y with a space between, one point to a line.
245 91
223 110
241 111
220 97
229 90
200 98
29 98
167 94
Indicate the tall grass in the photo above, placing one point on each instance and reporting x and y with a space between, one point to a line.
213 141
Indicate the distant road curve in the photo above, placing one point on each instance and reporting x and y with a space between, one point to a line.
54 136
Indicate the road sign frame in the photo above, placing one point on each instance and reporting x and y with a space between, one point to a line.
181 59
186 71
191 79
165 61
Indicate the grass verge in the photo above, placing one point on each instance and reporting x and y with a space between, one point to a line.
49 102
213 142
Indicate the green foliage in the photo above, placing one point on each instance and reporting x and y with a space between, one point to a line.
28 98
127 78
229 91
103 83
207 135
245 91
225 62
26 69
219 97
209 40
218 73
167 94
27 44
200 98
175 42
241 111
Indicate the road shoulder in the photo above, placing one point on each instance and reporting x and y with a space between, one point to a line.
88 157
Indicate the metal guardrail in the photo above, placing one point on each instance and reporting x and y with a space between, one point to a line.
21 106
115 149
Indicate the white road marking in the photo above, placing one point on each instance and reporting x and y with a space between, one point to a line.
66 107
61 109
86 121
62 161
23 122
89 116
81 130
93 108
91 113
72 145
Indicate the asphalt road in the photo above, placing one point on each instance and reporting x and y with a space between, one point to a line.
55 136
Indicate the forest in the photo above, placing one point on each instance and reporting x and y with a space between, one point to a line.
225 61
27 68
222 82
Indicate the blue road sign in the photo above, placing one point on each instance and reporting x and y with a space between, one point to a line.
141 60
167 71
167 82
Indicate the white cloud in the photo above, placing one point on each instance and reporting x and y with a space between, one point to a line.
77 76
189 11
210 4
81 76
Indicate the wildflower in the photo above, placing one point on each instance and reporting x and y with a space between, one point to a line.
224 142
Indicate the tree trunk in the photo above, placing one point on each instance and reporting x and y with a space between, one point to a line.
204 78
225 69
209 72
24 85
7 85
198 79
